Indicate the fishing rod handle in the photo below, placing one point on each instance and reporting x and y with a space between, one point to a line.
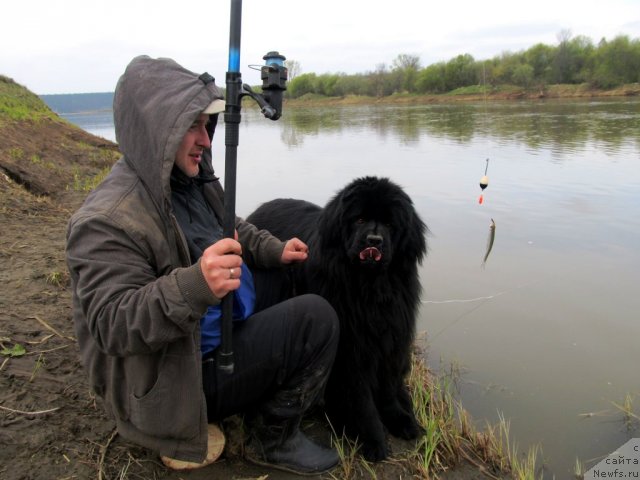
225 352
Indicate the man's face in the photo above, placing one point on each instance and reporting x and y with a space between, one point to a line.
189 154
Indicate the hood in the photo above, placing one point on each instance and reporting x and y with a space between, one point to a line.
155 102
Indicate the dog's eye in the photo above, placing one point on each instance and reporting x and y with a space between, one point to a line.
360 221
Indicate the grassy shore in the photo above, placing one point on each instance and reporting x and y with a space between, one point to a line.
451 438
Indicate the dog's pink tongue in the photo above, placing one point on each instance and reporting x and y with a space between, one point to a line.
371 252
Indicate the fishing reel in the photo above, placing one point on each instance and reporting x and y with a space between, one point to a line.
274 82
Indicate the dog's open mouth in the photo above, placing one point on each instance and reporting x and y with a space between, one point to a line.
370 253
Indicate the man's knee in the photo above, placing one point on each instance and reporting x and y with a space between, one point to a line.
321 316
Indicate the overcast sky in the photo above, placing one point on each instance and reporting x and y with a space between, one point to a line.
76 46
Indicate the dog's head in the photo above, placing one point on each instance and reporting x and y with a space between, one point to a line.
374 223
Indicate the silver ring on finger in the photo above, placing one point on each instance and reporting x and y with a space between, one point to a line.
231 272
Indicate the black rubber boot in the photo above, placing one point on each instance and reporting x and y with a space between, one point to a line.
283 446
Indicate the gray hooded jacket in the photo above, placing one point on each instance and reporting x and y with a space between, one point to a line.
137 300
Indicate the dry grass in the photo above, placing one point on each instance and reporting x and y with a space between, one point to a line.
630 418
451 437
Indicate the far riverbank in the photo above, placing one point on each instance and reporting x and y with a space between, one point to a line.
471 94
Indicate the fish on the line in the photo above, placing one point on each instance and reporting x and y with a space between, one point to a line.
492 236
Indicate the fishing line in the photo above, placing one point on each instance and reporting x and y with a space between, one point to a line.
477 299
484 181
469 300
456 320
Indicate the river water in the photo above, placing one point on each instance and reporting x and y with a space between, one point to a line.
547 332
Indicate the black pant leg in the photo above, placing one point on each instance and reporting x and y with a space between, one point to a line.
282 359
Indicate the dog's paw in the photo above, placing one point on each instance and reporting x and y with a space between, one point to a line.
375 451
406 428
411 431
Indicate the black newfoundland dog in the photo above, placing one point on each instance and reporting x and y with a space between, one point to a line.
364 249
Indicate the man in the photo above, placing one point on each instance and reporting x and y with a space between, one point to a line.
148 268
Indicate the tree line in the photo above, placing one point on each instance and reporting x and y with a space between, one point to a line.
576 60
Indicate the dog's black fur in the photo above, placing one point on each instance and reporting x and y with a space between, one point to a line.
364 251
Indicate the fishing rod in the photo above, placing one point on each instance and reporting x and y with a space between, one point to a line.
274 76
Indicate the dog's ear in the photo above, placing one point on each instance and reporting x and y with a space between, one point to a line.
413 232
416 237
331 224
